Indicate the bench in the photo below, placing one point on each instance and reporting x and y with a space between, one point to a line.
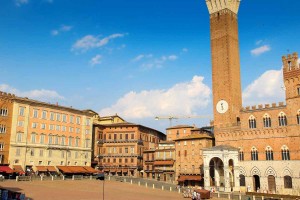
23 178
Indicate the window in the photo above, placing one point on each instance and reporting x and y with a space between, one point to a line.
87 143
132 136
185 153
58 127
184 143
64 118
242 180
42 139
3 112
49 162
131 149
43 126
288 182
72 119
50 153
269 153
35 113
20 123
33 136
57 117
70 141
298 117
51 116
41 152
120 150
18 152
177 134
50 139
63 128
282 120
285 153
19 137
254 154
267 121
252 122
126 149
21 111
71 129
31 152
40 162
44 114
77 130
2 128
51 127
1 146
88 122
241 155
34 125
87 131
63 140
77 142
178 153
77 120
56 139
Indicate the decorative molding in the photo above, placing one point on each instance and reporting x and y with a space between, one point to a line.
218 5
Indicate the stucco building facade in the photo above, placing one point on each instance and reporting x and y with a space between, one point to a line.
44 134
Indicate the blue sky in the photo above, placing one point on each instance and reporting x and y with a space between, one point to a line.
139 59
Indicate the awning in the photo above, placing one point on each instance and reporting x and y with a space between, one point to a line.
113 170
119 170
90 169
18 168
164 162
189 178
51 169
41 168
64 169
6 169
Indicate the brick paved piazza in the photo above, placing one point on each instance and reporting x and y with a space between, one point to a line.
87 190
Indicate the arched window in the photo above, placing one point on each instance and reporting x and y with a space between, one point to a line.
282 120
298 117
285 153
252 122
254 154
242 180
267 120
269 153
50 139
241 155
288 182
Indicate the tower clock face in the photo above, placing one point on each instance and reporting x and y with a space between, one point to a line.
222 106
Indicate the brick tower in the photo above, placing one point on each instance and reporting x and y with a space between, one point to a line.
226 79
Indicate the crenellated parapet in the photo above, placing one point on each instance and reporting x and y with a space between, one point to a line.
218 5
263 107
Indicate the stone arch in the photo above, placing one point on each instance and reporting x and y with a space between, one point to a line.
270 171
243 171
287 172
255 171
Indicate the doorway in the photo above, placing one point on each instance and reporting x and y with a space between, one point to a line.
256 183
272 183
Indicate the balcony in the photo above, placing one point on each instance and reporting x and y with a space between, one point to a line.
120 141
100 142
140 142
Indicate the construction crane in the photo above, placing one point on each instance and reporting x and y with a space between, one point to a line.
170 118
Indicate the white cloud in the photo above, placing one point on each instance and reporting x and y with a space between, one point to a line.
141 56
90 42
21 2
155 62
41 95
96 60
63 28
258 42
181 99
260 50
268 88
